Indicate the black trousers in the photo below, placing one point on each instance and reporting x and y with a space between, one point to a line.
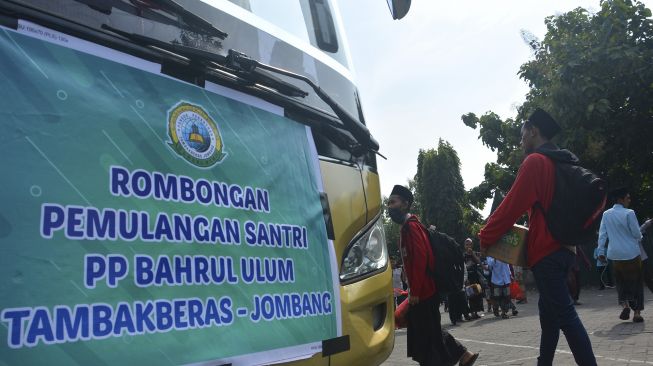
457 306
630 282
573 282
428 344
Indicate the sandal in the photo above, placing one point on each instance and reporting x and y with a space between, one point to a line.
638 319
625 314
470 361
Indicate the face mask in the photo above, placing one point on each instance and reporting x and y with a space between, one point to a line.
396 215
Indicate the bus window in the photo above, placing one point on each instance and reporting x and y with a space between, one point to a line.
309 20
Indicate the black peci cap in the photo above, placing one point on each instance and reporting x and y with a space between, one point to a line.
402 192
545 123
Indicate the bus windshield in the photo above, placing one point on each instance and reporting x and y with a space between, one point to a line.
312 22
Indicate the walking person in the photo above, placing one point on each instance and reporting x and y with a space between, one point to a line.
573 279
550 260
512 306
500 286
487 288
428 344
619 225
458 306
472 264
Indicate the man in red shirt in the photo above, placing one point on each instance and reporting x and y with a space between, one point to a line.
428 344
549 260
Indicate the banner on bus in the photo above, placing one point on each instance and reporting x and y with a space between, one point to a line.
149 221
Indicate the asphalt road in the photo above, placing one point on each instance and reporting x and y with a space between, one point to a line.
515 341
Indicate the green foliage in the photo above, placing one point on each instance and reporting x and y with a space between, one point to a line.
472 223
391 232
594 74
439 187
417 202
502 137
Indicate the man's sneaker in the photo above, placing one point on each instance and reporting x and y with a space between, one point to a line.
515 312
625 314
504 316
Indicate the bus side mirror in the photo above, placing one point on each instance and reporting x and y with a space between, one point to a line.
399 8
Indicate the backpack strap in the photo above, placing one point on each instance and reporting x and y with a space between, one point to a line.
552 151
415 219
548 151
539 206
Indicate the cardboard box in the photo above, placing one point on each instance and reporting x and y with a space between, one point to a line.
512 247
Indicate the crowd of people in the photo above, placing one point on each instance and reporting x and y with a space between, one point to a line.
487 281
554 257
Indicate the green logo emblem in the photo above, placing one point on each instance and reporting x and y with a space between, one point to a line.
194 135
511 239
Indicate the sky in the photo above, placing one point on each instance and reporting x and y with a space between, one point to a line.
417 76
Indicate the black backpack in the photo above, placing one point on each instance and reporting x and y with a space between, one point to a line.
449 262
578 201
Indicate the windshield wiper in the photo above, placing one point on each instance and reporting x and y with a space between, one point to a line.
240 61
207 58
146 9
252 72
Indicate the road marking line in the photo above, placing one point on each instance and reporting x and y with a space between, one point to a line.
559 351
508 345
511 361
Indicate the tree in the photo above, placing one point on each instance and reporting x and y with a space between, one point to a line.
417 202
439 187
502 137
391 232
594 74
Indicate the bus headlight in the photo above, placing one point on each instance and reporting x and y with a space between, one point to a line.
366 254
